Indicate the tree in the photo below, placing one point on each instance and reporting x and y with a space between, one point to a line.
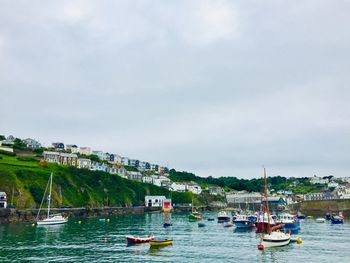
19 144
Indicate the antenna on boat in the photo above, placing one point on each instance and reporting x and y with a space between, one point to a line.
267 203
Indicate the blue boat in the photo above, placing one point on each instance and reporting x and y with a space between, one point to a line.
301 216
167 224
337 219
289 222
243 222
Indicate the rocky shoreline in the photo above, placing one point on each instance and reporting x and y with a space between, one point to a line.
11 215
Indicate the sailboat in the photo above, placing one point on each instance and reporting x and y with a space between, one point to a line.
54 219
273 238
194 216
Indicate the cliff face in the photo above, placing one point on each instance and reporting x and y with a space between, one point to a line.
25 183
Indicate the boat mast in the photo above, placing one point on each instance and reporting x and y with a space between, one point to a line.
48 208
267 203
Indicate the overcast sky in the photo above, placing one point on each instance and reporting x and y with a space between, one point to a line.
212 87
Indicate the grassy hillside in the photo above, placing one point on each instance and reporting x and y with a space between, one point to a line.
71 186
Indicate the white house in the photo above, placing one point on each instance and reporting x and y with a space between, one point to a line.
3 200
216 191
51 157
125 161
99 154
85 150
154 200
99 167
161 181
31 143
147 179
84 163
186 187
333 184
318 180
72 147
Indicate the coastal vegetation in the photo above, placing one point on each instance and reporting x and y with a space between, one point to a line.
26 178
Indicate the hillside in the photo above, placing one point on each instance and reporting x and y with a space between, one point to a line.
27 179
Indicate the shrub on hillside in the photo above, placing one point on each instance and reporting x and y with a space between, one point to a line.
27 159
7 153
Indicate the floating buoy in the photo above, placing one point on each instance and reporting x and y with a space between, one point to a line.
105 238
261 247
33 225
79 222
299 241
107 220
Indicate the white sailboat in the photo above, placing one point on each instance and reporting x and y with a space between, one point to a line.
54 219
273 238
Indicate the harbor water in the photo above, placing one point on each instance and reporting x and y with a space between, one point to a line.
94 240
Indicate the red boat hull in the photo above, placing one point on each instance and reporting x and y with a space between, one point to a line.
139 239
261 227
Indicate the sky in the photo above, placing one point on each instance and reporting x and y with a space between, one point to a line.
217 88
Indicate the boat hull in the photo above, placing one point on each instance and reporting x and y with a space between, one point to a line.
243 224
274 243
224 219
138 240
51 222
156 243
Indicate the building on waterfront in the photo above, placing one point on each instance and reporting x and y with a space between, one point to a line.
85 150
320 196
244 200
69 159
84 163
51 157
154 200
3 200
72 147
31 143
216 190
59 146
275 202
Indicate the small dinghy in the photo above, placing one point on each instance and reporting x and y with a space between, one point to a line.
320 220
201 225
211 219
133 239
167 224
159 243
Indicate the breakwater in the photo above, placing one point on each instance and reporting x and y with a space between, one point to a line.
320 207
10 215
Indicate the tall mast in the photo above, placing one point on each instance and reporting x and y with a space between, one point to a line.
48 208
267 203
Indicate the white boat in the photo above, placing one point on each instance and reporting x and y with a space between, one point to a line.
273 238
54 219
320 220
223 216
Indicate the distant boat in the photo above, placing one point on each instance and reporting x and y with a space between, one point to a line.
211 219
133 239
167 224
300 216
337 219
201 225
223 217
242 221
54 219
194 216
159 243
289 221
320 220
273 238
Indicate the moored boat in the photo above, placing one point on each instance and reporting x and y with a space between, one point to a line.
264 221
320 220
242 221
134 239
337 219
289 221
55 219
273 238
167 224
201 225
195 216
223 217
300 216
159 242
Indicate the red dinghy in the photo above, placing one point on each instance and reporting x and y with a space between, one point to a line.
133 239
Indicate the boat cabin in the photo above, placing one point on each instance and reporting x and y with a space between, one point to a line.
3 200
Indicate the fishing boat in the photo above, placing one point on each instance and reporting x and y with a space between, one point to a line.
223 217
136 240
54 219
337 219
242 221
289 221
320 220
273 238
264 221
159 243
